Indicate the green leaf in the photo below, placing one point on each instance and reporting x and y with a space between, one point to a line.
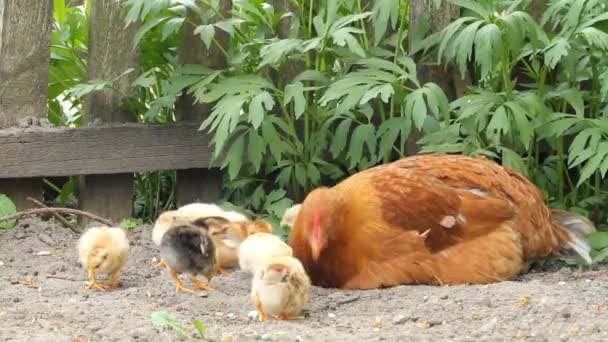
313 174
499 124
464 45
257 108
513 160
382 11
604 167
7 207
284 176
272 53
272 139
472 6
595 37
487 45
416 107
339 141
301 174
593 164
234 157
172 26
362 134
448 32
580 142
524 127
59 11
295 92
387 134
558 127
384 90
143 29
162 319
344 37
199 327
206 32
255 149
556 50
598 240
574 97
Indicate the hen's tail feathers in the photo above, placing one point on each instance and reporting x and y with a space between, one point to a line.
578 227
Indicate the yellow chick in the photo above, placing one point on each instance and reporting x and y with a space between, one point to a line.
103 250
280 288
228 236
256 248
202 210
290 215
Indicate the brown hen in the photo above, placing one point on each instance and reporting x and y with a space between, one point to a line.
431 219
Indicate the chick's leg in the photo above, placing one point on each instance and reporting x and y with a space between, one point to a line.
287 317
199 284
161 264
221 271
92 283
179 286
258 306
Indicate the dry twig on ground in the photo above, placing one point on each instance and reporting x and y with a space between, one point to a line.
61 219
38 211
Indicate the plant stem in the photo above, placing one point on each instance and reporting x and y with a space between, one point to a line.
310 19
560 169
506 71
594 107
396 57
365 40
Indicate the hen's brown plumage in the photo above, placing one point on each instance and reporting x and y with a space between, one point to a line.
446 219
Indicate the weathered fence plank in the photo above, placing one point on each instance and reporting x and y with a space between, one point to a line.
25 34
111 54
108 149
203 185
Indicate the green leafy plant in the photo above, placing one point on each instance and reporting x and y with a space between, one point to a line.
7 207
336 91
68 63
162 319
130 223
274 123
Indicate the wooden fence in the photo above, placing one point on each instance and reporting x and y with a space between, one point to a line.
107 150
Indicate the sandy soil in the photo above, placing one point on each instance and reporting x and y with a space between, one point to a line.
552 303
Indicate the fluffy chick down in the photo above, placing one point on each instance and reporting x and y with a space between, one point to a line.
290 215
203 210
280 288
228 236
103 250
188 248
257 248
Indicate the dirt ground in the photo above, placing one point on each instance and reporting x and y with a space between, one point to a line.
552 303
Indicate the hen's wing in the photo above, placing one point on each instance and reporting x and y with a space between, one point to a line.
414 200
541 234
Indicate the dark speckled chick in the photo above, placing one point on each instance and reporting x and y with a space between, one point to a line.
189 249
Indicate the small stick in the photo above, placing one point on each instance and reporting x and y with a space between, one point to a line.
57 216
62 278
56 210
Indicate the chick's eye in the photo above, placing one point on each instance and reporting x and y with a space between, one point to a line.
285 276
